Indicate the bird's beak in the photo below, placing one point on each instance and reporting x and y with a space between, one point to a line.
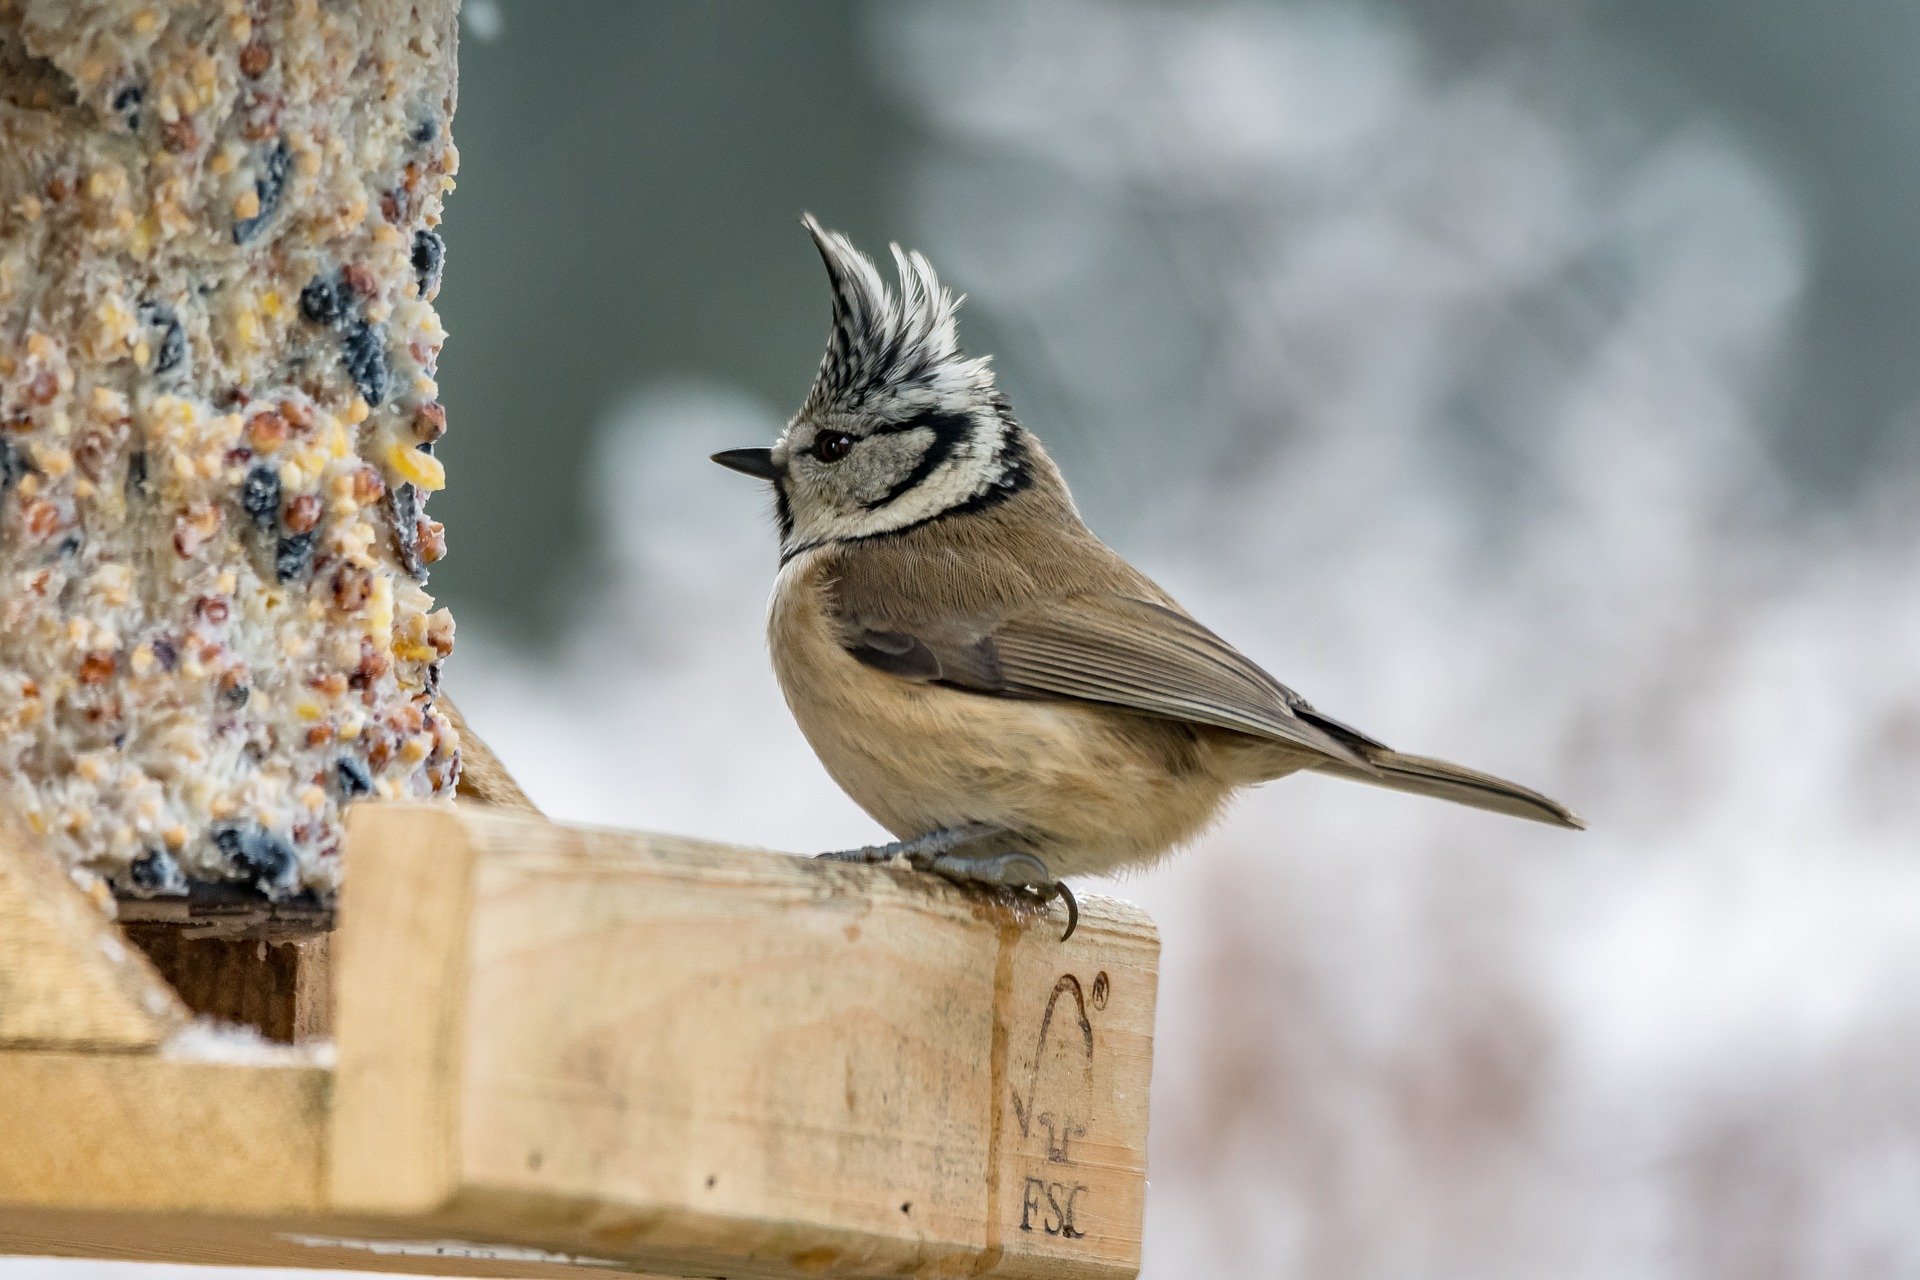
753 462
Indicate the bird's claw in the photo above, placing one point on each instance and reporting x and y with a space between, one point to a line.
935 852
1021 872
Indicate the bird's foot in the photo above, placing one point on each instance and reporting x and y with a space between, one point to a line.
1021 872
934 852
919 851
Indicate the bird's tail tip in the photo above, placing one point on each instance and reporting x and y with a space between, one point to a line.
1443 780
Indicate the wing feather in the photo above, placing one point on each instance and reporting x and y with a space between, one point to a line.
1108 649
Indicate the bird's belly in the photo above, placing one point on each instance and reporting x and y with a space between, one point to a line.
1089 789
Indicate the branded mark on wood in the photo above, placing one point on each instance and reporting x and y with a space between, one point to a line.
1049 1207
1057 1104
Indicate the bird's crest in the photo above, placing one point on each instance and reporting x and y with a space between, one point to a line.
889 348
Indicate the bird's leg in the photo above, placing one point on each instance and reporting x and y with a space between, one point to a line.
935 852
918 851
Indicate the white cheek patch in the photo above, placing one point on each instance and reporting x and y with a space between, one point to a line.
967 471
885 463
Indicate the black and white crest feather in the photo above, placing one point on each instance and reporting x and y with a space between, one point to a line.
917 430
898 348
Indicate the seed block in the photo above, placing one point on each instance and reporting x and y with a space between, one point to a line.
217 345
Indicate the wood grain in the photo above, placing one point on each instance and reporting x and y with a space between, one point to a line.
143 1132
401 974
483 778
283 989
702 1058
67 977
564 1050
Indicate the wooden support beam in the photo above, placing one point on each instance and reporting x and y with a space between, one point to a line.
143 1133
562 1049
283 989
67 977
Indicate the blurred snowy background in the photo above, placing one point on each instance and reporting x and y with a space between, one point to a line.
1528 384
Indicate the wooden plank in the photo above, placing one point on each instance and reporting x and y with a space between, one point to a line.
271 1241
563 1050
233 911
282 989
400 973
483 778
143 1157
711 1061
145 1132
67 977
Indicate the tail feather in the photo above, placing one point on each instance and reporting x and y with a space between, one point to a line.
1443 781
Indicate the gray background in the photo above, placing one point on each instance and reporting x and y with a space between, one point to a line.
630 175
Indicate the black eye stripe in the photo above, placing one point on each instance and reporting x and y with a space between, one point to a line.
933 419
949 429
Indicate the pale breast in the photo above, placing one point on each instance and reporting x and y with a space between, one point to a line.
1090 788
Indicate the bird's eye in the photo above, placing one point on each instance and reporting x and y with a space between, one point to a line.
831 446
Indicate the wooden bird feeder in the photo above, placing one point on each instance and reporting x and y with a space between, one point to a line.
512 1047
555 1049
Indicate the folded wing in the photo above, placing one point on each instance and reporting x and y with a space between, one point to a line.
1115 651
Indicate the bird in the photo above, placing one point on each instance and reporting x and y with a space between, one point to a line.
992 683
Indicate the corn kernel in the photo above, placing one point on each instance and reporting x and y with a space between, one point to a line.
422 470
379 613
144 235
53 461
